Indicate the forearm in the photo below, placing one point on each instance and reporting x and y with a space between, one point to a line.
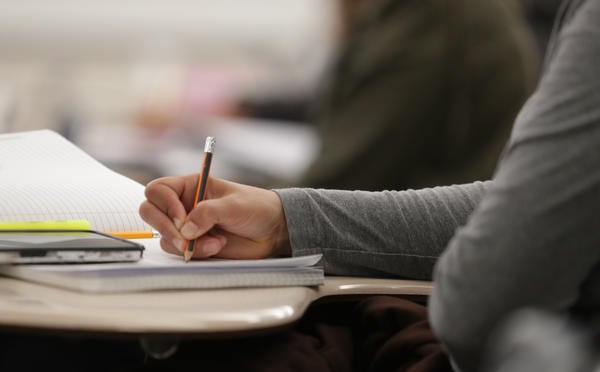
388 233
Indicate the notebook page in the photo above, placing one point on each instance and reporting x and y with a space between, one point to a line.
45 177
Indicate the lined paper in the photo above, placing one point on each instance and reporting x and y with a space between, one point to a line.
45 177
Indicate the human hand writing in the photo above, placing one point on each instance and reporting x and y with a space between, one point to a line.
234 221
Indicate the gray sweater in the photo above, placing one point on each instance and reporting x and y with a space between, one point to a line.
529 237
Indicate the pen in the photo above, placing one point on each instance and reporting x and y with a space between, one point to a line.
133 234
209 147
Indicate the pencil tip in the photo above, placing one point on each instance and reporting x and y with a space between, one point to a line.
187 255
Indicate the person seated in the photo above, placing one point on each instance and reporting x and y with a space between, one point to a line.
529 237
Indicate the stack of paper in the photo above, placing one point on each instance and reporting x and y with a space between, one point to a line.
161 270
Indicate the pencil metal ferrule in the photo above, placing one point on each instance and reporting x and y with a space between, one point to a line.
209 145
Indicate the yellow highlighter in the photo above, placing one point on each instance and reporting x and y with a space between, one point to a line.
47 225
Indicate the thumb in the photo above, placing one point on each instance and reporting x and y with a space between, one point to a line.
203 217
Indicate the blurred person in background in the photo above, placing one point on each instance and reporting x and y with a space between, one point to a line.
421 93
540 15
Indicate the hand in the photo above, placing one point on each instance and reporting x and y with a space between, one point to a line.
234 221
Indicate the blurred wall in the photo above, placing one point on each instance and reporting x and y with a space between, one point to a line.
100 60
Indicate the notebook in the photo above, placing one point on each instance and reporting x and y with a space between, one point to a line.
43 176
161 270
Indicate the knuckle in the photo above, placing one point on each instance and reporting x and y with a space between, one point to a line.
144 210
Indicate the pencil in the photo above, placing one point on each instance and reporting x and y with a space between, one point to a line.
209 147
133 234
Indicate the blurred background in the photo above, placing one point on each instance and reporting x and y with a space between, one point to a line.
138 84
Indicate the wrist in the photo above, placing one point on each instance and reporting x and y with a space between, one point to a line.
281 244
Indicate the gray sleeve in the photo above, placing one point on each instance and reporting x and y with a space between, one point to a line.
387 233
535 237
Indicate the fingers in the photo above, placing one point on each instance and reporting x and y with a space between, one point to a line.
204 217
171 239
165 194
206 246
230 246
171 246
236 208
209 245
165 211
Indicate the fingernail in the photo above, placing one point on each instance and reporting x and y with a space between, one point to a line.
177 223
189 230
210 248
178 243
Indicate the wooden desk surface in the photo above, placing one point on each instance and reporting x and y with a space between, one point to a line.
178 312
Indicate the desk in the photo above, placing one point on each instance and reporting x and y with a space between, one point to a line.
178 313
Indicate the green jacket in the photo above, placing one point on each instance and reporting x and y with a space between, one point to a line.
424 93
